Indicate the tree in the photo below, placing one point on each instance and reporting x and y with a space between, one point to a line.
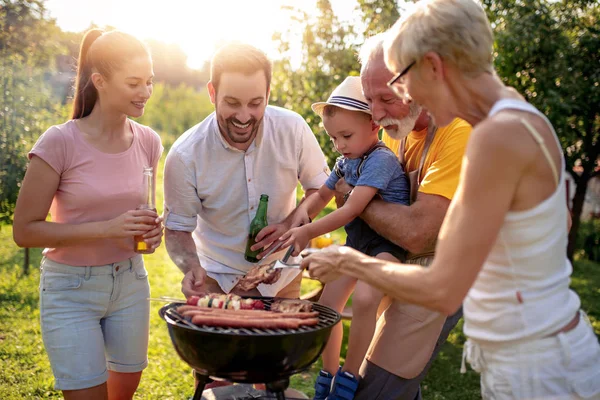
378 15
328 57
27 49
173 110
550 52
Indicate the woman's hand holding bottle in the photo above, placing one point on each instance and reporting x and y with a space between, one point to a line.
133 223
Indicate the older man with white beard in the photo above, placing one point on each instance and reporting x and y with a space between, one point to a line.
408 337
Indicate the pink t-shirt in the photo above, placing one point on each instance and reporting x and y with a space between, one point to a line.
95 186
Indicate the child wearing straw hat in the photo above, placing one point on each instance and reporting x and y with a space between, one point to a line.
372 169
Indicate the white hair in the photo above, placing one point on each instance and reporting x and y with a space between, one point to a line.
457 30
405 125
371 49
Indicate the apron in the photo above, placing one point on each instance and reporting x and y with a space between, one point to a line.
415 177
406 334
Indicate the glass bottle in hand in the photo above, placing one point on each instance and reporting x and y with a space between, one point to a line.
139 245
259 222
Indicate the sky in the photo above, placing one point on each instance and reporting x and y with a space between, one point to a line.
197 26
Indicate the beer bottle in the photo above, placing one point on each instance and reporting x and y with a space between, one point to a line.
259 222
139 245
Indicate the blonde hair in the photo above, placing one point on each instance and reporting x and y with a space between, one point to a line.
457 30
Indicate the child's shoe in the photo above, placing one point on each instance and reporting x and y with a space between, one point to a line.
323 385
344 386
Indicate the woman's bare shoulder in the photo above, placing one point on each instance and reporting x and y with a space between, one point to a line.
502 134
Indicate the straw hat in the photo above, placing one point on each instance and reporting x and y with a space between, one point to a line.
347 95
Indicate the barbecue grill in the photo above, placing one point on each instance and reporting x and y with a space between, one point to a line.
242 355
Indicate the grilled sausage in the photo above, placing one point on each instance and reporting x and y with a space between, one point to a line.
260 323
189 310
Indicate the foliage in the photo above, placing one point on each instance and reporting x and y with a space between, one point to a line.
27 47
588 239
328 57
37 67
550 52
378 15
173 110
26 371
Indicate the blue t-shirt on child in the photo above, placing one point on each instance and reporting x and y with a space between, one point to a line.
379 168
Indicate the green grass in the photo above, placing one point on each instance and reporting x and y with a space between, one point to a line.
25 371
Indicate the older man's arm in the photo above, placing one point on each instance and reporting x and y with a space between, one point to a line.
415 227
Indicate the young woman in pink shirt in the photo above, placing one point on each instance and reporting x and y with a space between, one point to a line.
89 174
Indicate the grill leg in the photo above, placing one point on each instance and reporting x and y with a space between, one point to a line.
201 380
280 395
278 388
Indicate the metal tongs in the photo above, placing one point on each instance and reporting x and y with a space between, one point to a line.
282 264
273 250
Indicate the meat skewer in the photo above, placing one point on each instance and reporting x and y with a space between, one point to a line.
225 301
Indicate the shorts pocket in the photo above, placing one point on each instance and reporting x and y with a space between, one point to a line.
57 282
416 312
496 385
588 387
141 273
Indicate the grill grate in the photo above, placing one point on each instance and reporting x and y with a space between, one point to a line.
327 318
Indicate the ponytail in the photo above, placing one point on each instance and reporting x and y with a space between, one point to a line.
85 92
105 55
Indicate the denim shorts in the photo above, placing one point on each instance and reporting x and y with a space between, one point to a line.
94 319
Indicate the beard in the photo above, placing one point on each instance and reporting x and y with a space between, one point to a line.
228 129
405 125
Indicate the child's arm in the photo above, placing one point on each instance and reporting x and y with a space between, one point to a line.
358 200
312 205
317 202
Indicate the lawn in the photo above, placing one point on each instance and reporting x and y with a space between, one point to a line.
25 371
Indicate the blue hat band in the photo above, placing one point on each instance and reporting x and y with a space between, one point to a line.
350 102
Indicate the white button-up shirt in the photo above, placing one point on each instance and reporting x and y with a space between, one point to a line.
213 189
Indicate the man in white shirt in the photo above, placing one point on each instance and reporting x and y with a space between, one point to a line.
217 170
